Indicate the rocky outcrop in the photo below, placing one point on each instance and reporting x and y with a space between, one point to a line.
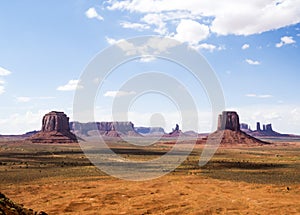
245 126
268 128
229 120
266 131
111 129
55 121
229 131
55 129
7 206
176 132
258 126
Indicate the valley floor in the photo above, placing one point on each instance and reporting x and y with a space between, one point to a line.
58 179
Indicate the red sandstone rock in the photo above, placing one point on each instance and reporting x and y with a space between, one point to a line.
111 129
55 129
229 131
229 120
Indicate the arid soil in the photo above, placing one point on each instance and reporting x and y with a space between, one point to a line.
238 180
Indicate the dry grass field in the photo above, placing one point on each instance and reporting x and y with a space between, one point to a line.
59 179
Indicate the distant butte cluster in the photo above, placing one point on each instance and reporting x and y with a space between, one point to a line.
56 128
266 131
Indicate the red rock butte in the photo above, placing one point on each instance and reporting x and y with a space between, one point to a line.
55 129
229 131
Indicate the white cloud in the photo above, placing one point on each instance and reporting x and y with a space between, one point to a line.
252 62
91 13
4 72
209 47
20 123
118 93
147 59
191 31
224 17
136 26
262 96
285 41
112 41
157 21
70 86
245 46
153 46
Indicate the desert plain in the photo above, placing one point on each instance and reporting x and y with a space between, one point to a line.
239 179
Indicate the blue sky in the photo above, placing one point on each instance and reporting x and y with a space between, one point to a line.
253 48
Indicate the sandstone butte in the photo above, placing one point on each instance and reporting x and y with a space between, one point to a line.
55 129
229 131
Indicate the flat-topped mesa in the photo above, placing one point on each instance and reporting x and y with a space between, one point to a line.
55 129
104 128
229 120
55 121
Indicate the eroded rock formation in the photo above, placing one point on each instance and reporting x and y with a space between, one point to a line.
176 132
55 121
229 131
55 129
111 129
266 131
258 126
229 120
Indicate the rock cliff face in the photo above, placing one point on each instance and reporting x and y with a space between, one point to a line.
55 121
111 129
55 129
229 120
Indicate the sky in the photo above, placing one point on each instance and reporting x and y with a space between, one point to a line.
253 48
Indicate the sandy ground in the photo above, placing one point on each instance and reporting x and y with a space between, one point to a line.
175 193
170 194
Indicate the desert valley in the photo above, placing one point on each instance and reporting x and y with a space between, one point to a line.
163 107
252 172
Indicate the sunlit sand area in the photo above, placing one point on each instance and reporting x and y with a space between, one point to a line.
59 179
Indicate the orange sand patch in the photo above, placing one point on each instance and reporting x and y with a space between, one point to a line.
170 194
